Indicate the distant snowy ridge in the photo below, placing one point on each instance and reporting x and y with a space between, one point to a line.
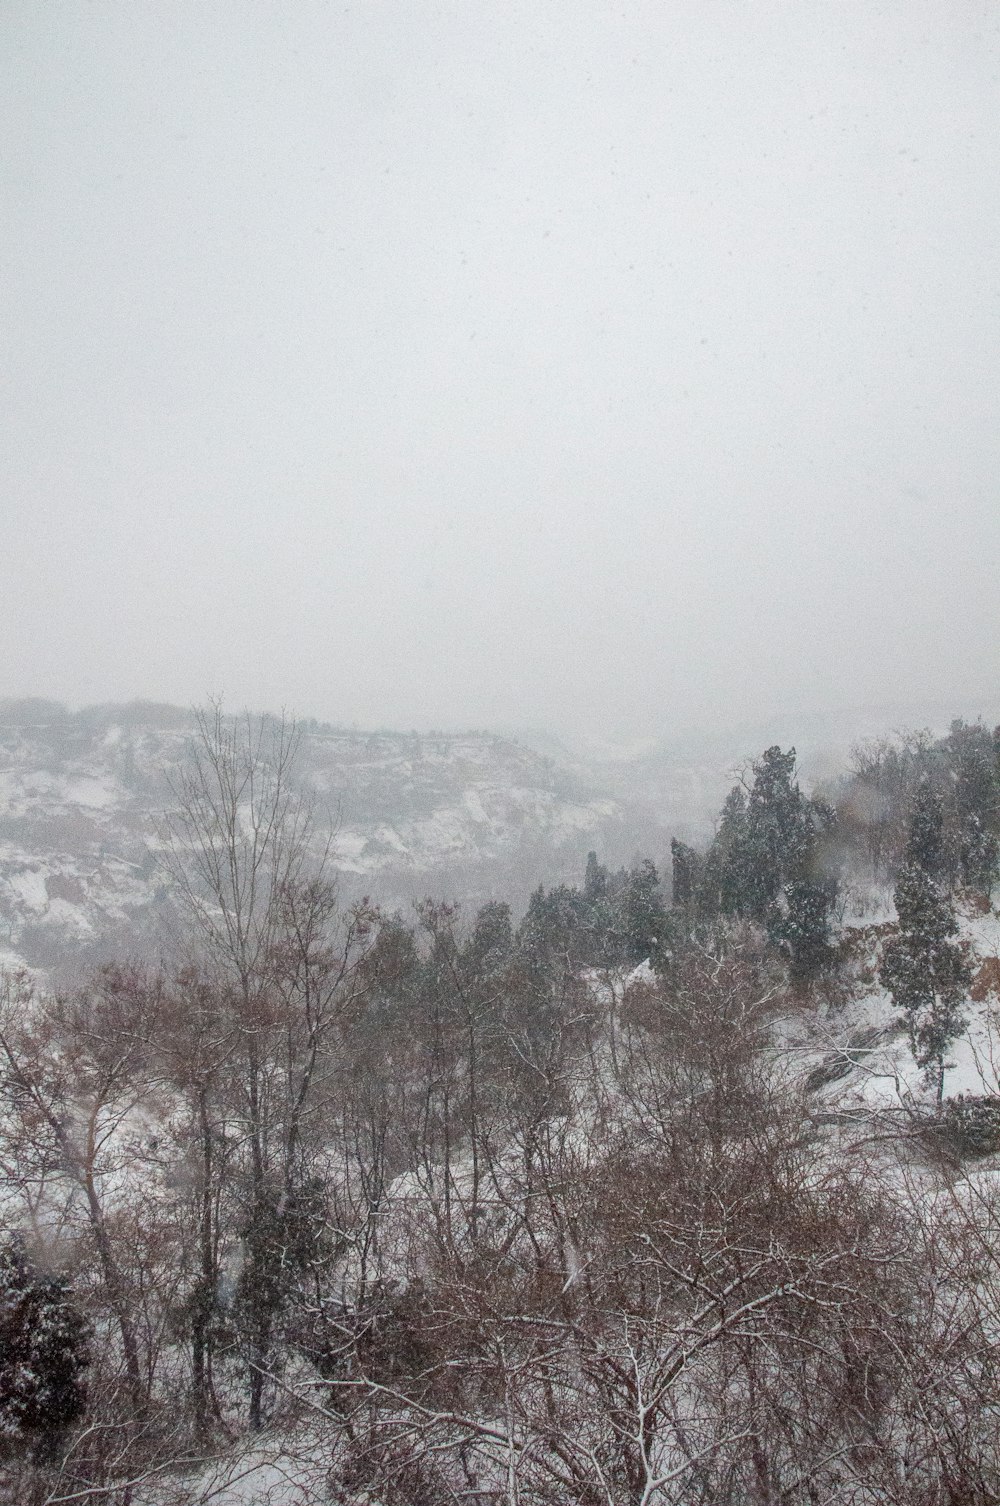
469 816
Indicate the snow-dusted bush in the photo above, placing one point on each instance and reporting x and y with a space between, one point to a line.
43 1355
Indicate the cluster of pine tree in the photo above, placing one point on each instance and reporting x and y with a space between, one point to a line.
771 863
616 919
875 804
924 967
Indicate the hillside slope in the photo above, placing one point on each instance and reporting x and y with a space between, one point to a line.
83 796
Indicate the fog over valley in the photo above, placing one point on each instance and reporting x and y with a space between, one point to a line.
500 753
444 366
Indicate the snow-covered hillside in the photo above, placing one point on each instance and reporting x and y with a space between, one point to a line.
854 1055
468 816
82 798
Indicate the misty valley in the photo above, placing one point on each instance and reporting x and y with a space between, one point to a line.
344 1159
556 1060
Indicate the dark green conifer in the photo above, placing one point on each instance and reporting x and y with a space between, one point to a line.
595 883
686 874
925 848
971 754
803 926
43 1354
925 970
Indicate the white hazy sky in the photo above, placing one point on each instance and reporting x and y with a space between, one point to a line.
501 361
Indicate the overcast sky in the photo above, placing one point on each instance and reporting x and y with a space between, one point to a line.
495 363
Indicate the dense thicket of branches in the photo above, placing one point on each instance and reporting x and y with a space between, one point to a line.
503 1218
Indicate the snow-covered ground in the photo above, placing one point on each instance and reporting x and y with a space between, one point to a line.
861 1045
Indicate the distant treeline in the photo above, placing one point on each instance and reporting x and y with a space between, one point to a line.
30 711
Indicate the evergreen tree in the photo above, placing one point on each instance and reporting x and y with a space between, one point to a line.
925 847
766 864
779 836
925 970
803 926
616 920
726 881
553 931
644 915
687 874
972 759
492 938
595 883
43 1353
